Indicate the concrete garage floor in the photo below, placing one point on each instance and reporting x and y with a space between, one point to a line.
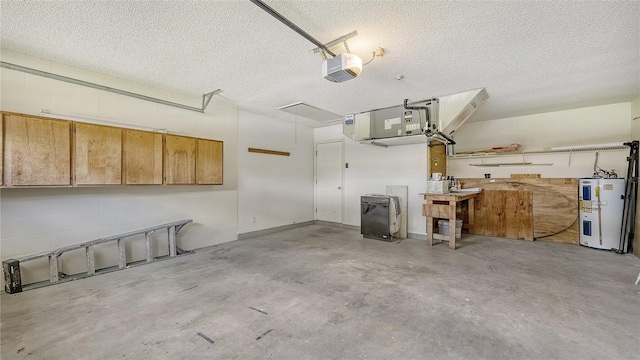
327 293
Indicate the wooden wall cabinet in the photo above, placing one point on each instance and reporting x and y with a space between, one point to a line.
189 161
37 152
142 157
179 160
209 162
97 154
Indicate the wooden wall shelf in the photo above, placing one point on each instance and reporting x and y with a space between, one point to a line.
270 152
483 155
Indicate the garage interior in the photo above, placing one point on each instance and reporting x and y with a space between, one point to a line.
189 180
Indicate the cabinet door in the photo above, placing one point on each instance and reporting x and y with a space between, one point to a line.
209 162
142 156
179 160
37 151
98 155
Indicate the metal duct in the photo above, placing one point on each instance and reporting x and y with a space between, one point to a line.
456 108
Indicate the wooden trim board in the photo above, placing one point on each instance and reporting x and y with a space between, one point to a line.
270 152
525 176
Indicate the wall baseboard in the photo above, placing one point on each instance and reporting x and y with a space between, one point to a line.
417 236
252 234
338 225
357 228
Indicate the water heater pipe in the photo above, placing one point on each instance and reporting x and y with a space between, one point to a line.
599 214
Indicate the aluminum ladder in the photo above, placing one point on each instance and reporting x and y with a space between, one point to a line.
11 267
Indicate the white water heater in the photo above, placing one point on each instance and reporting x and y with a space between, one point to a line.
601 206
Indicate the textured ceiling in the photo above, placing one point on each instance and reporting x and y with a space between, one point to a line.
531 56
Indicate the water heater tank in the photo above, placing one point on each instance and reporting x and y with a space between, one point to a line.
601 206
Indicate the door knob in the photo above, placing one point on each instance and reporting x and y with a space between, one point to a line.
339 187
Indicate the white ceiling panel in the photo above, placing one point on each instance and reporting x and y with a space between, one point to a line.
310 112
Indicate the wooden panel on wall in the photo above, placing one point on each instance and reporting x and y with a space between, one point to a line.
555 204
179 160
97 154
525 176
142 157
37 151
209 162
507 214
438 160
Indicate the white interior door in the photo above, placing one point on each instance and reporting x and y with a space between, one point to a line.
329 181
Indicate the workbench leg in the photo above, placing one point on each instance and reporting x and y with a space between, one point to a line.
471 204
429 230
452 233
452 225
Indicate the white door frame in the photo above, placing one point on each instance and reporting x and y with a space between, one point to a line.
315 178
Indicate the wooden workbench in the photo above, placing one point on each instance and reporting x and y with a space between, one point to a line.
543 209
443 206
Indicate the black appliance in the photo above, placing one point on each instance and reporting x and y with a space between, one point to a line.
378 214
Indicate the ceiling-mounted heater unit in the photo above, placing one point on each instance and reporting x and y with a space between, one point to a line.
430 119
385 123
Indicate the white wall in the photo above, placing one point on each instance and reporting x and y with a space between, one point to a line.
372 168
35 220
635 118
274 190
592 125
